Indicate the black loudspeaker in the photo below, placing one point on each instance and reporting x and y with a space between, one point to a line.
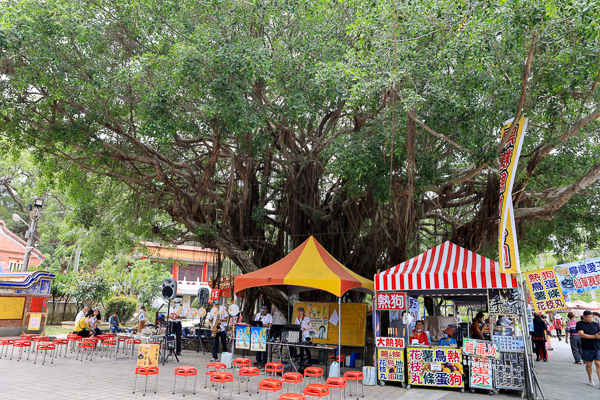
169 288
203 296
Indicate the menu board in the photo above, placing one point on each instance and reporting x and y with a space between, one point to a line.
242 336
435 367
390 365
509 342
481 373
480 348
510 371
579 276
503 301
353 320
545 290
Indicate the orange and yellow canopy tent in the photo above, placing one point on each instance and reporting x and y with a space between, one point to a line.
308 267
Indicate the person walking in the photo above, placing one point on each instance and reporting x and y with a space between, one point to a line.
589 330
558 326
539 338
571 333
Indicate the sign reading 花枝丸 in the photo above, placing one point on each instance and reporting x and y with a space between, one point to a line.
579 276
545 290
509 159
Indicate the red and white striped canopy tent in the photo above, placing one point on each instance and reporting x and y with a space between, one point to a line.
445 267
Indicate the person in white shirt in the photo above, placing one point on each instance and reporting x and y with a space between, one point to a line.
267 320
221 333
175 321
305 327
503 321
81 313
142 317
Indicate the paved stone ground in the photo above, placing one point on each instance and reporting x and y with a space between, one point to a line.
105 378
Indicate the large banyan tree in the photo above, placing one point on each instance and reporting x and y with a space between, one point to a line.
247 126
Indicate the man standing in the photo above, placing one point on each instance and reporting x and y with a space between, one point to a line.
114 323
589 331
82 313
571 333
221 333
267 320
305 327
176 326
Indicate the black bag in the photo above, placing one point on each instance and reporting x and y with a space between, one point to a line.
302 366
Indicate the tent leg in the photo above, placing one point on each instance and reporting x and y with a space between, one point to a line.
339 353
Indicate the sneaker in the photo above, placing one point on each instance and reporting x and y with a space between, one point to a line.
591 383
545 360
213 359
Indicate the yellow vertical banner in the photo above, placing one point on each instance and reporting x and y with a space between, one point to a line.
508 251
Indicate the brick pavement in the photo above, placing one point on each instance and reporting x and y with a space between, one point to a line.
105 378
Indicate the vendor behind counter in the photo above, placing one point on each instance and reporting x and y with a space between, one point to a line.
418 336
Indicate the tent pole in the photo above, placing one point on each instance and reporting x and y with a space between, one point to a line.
340 331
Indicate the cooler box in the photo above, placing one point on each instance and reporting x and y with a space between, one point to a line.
148 355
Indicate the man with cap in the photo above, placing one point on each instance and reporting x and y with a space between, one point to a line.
267 320
176 325
448 340
305 327
221 332
589 331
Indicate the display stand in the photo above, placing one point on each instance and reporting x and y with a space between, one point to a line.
390 360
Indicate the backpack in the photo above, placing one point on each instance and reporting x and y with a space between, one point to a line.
302 366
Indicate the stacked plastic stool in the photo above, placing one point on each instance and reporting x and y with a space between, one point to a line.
45 347
356 376
222 378
269 385
313 372
59 343
274 368
337 383
21 344
316 390
291 377
185 372
209 372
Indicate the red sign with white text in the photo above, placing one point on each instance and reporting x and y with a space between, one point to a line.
214 295
396 343
391 301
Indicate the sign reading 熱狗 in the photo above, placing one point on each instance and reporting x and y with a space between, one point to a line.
391 301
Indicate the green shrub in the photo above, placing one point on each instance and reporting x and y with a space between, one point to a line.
125 306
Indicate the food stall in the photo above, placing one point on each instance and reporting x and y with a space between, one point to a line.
445 272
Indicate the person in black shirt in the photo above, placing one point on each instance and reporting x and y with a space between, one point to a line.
590 344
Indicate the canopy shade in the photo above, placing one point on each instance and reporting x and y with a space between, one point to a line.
308 267
446 266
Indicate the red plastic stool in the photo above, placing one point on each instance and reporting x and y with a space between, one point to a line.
355 376
313 372
291 377
337 383
106 345
222 378
209 372
269 385
274 368
5 342
146 371
185 371
61 342
316 390
21 344
39 339
340 359
45 347
85 345
73 339
133 342
292 396
241 363
29 337
248 372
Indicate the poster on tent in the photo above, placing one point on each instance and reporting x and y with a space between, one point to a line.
503 301
242 337
319 317
258 339
480 375
435 367
579 276
545 290
390 365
